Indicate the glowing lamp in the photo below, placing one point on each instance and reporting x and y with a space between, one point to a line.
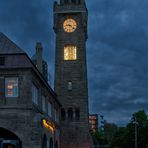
49 125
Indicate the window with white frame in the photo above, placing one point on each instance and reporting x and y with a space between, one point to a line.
70 85
34 94
56 114
11 87
49 109
44 103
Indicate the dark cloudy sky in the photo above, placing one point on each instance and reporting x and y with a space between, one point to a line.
117 49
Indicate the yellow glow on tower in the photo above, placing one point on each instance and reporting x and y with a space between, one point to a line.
70 53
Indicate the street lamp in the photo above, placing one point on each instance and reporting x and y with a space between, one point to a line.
135 123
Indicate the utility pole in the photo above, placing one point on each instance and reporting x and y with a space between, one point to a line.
135 123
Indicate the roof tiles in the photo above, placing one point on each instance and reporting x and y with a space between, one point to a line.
8 47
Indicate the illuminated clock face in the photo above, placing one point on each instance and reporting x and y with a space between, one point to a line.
69 25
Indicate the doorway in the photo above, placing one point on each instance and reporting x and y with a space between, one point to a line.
9 140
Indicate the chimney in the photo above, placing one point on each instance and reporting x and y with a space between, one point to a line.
39 50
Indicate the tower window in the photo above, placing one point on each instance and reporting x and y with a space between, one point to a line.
63 115
2 61
77 112
11 87
69 85
70 52
70 114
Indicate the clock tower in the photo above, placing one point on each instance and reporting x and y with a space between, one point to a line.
70 26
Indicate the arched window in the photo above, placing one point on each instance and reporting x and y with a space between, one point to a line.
51 143
70 114
56 144
63 114
77 112
44 143
73 1
65 1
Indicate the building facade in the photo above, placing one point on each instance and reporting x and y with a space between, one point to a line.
70 26
29 109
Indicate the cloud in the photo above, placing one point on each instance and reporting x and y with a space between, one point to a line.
117 49
27 22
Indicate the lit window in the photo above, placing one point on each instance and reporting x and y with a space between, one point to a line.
44 103
70 53
49 109
34 94
11 87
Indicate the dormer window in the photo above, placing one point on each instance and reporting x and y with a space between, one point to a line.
2 61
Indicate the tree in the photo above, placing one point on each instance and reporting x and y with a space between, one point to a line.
125 137
118 139
99 138
142 128
109 131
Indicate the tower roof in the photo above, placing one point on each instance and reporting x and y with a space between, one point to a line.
8 47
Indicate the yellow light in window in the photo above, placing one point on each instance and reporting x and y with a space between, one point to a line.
10 86
70 52
49 125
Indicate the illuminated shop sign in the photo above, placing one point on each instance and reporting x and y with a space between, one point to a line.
49 125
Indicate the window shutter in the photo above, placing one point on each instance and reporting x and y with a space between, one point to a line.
2 89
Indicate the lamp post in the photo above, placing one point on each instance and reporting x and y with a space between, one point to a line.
135 123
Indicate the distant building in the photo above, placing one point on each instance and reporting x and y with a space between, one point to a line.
96 123
29 109
40 63
93 123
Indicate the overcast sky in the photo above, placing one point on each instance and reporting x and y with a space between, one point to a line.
117 49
